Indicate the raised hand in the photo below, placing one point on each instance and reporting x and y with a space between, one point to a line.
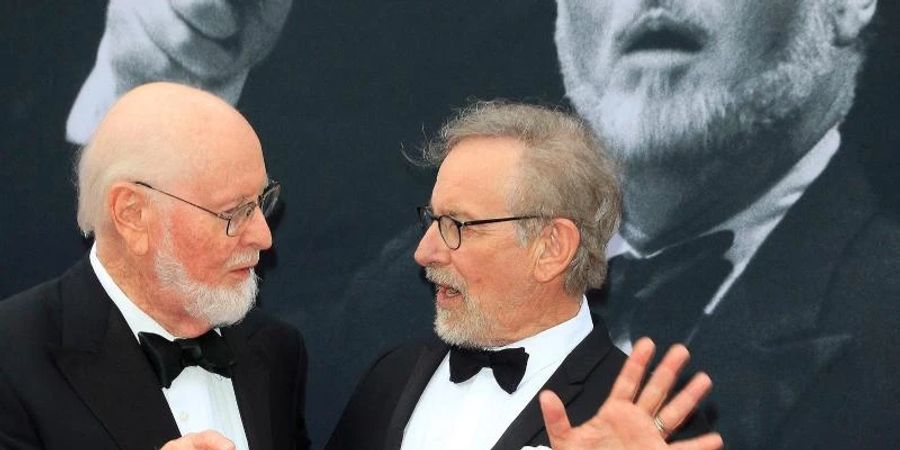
635 418
210 44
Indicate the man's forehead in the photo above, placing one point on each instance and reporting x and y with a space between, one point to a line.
226 187
475 176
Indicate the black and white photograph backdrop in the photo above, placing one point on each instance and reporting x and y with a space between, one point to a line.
758 142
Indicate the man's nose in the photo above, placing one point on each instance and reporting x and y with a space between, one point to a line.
257 233
432 250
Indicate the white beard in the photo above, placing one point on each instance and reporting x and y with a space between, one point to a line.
661 122
217 305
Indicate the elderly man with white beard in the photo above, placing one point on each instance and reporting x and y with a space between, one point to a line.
152 335
749 229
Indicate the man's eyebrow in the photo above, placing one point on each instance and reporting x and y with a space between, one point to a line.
241 200
455 213
233 203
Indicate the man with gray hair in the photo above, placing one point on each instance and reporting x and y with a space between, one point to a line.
515 232
152 335
750 231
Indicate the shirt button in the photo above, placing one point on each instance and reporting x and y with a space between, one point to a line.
183 417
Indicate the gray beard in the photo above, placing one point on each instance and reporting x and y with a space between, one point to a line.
694 154
664 123
465 328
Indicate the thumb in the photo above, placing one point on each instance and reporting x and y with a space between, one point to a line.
555 419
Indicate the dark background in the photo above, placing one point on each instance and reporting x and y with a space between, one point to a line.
349 87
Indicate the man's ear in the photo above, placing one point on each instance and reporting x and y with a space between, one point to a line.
850 17
129 212
557 245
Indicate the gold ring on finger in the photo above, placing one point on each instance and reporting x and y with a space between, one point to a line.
661 426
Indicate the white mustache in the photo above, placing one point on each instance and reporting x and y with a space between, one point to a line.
250 258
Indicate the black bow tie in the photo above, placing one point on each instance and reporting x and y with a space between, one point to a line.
169 358
508 365
663 296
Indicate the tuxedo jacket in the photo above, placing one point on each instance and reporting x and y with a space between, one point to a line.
72 375
803 349
385 399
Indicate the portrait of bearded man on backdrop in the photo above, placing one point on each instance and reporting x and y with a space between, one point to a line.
748 222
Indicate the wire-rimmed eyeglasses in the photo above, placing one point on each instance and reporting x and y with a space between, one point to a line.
237 216
451 229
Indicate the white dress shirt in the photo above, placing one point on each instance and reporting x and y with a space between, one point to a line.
474 414
199 400
752 225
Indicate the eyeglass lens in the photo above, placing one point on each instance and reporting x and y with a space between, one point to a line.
266 203
449 231
446 226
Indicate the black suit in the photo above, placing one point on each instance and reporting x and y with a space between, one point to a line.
385 399
72 375
803 347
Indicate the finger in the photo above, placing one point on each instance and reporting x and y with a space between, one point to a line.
271 13
217 19
211 440
128 48
263 22
708 441
198 54
629 380
555 419
685 401
664 375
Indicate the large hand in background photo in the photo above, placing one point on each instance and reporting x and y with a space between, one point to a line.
633 417
210 44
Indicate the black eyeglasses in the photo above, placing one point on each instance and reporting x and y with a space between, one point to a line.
237 216
451 229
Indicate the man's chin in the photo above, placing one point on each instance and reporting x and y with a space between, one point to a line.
448 330
225 305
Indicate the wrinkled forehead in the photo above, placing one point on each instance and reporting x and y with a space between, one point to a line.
220 163
476 176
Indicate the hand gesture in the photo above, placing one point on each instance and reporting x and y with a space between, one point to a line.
635 418
210 44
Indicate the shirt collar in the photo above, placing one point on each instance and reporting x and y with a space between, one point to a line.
555 343
137 319
753 224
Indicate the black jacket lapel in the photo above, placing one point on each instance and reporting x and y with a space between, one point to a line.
421 374
767 333
102 360
567 382
250 380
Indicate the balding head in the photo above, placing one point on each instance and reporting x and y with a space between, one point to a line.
157 133
169 185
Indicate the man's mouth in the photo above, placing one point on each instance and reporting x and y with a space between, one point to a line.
243 270
243 262
659 31
447 290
